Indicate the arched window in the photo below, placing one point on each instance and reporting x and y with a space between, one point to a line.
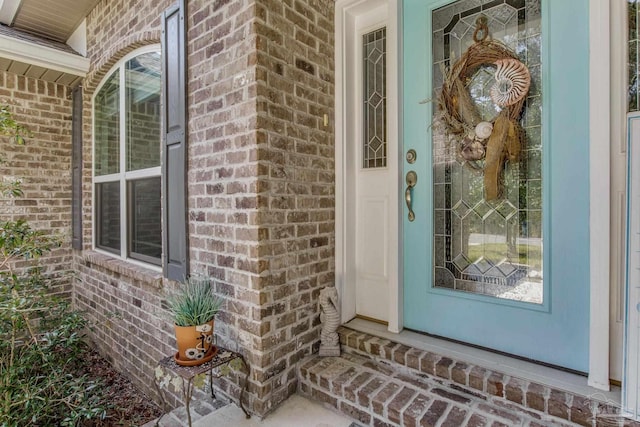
126 155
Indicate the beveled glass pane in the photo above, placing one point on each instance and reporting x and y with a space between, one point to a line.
107 127
489 247
633 11
108 216
374 48
145 242
143 111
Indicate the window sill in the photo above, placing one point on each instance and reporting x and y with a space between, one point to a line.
137 272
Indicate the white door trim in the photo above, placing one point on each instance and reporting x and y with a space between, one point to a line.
346 14
599 189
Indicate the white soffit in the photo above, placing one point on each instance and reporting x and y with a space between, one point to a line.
42 56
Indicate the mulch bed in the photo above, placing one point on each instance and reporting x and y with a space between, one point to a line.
127 406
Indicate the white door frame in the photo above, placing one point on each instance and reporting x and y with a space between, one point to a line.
599 131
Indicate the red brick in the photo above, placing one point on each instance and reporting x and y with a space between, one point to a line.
495 385
338 382
413 358
367 392
354 412
476 421
402 399
400 353
351 389
455 417
434 413
459 373
413 413
497 412
581 411
476 378
379 401
557 404
514 390
536 398
442 367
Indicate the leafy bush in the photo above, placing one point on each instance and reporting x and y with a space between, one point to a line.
41 347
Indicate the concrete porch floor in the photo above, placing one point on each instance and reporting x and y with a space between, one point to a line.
297 411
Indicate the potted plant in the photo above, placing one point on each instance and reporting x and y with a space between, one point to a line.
193 308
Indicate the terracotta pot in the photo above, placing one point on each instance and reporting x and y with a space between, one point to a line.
194 343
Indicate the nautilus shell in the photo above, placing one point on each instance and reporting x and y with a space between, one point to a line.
483 130
512 82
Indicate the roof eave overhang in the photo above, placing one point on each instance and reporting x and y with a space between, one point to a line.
43 56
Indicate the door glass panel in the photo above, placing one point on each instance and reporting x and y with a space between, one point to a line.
488 247
633 12
374 47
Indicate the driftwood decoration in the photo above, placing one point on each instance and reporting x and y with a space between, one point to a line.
330 319
502 138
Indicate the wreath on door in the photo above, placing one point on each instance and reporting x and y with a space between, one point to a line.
501 138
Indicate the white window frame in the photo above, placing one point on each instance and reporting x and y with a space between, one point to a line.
123 177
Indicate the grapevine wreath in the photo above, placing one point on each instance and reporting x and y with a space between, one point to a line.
501 138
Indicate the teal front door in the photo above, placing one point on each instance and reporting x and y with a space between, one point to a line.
496 252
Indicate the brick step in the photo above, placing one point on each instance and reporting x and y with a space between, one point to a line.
376 394
532 403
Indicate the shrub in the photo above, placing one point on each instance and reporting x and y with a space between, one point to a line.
41 346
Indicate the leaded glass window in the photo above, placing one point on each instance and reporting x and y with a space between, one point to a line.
633 13
374 49
489 247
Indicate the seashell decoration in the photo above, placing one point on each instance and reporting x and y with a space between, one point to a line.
512 82
483 130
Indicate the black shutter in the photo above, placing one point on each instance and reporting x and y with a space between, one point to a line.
175 142
76 168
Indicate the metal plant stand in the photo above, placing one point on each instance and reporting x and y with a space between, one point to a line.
188 373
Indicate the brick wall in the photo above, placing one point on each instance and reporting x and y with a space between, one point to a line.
43 164
296 187
260 186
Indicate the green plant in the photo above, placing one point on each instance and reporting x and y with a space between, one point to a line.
10 127
194 303
41 347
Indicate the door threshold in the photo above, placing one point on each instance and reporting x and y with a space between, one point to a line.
511 366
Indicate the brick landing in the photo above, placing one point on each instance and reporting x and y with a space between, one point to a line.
380 383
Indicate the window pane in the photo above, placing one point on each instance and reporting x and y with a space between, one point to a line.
490 247
143 111
145 242
107 124
374 150
108 216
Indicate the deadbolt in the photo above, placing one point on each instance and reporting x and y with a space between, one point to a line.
411 156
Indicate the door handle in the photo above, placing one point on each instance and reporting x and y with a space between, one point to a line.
412 179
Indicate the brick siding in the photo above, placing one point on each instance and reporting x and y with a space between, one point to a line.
43 164
260 186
